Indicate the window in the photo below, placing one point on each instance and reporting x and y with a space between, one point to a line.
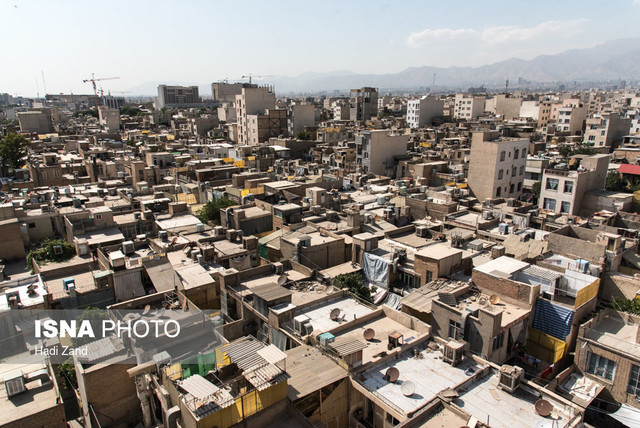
603 133
634 381
511 188
565 207
498 190
502 155
514 171
524 152
549 204
500 174
552 184
592 137
455 330
568 187
32 225
498 341
519 187
522 170
601 366
515 154
429 276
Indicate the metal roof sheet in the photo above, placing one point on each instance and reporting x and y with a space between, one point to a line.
243 352
347 346
272 354
541 273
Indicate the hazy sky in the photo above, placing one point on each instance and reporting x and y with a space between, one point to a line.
191 42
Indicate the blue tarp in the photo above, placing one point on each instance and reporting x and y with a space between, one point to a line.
552 319
375 269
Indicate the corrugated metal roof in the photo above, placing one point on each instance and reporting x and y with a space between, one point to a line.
347 346
263 377
541 273
271 292
100 349
244 352
203 397
504 264
198 387
272 354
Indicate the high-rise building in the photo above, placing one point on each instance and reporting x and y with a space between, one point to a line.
299 117
178 96
38 121
223 92
363 103
468 107
252 101
497 165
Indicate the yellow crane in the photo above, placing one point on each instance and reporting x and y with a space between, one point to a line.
93 81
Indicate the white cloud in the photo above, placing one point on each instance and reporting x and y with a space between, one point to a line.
417 39
499 34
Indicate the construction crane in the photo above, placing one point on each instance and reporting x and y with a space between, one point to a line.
93 81
251 76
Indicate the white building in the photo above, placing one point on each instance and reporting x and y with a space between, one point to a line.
422 111
252 101
468 107
375 151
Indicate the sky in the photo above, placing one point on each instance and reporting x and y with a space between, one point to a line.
198 42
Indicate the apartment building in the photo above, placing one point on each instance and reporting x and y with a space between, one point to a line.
178 97
606 130
37 121
505 106
109 118
571 119
340 110
539 111
375 151
363 104
223 92
300 116
422 111
563 191
252 101
261 127
468 107
496 167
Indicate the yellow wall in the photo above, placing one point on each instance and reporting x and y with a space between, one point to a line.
545 347
587 293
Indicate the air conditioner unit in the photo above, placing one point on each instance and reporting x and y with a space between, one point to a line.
422 231
68 283
200 228
307 329
510 377
453 352
57 250
278 268
298 322
164 235
128 248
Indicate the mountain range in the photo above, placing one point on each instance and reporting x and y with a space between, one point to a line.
609 61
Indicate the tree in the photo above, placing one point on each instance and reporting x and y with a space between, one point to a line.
13 149
355 283
614 183
305 135
211 210
625 305
535 189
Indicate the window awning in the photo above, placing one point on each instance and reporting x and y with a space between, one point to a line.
628 415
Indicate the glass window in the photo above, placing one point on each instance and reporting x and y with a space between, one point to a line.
515 154
524 152
601 366
502 155
498 191
568 187
522 170
511 188
519 186
549 204
565 207
552 184
634 381
498 341
455 330
500 174
514 171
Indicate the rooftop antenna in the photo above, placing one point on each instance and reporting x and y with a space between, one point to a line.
434 80
506 86
37 89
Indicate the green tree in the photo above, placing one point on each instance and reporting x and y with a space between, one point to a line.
355 283
211 210
626 305
130 111
13 149
67 373
305 135
47 252
535 189
614 183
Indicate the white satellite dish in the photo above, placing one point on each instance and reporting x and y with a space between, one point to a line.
282 279
408 388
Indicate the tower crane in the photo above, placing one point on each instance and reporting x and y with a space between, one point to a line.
251 76
93 81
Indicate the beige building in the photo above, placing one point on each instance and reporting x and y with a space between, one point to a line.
363 104
422 111
109 118
606 130
468 107
496 167
261 127
375 151
562 191
252 101
38 121
536 110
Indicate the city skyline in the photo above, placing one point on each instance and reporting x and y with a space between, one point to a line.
200 42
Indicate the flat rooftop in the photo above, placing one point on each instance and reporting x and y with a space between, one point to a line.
38 398
484 400
429 374
614 332
319 314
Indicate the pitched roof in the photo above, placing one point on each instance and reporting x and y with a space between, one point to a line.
629 169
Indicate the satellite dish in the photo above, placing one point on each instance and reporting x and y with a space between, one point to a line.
392 374
495 299
369 334
543 407
483 300
146 310
335 314
329 289
408 388
282 279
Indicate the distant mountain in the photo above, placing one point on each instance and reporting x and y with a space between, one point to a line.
616 59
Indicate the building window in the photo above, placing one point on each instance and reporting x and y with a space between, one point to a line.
502 155
514 171
511 188
519 187
552 184
500 174
515 154
429 276
524 152
568 187
455 330
522 170
498 191
634 381
601 366
592 137
498 341
565 207
549 204
32 225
